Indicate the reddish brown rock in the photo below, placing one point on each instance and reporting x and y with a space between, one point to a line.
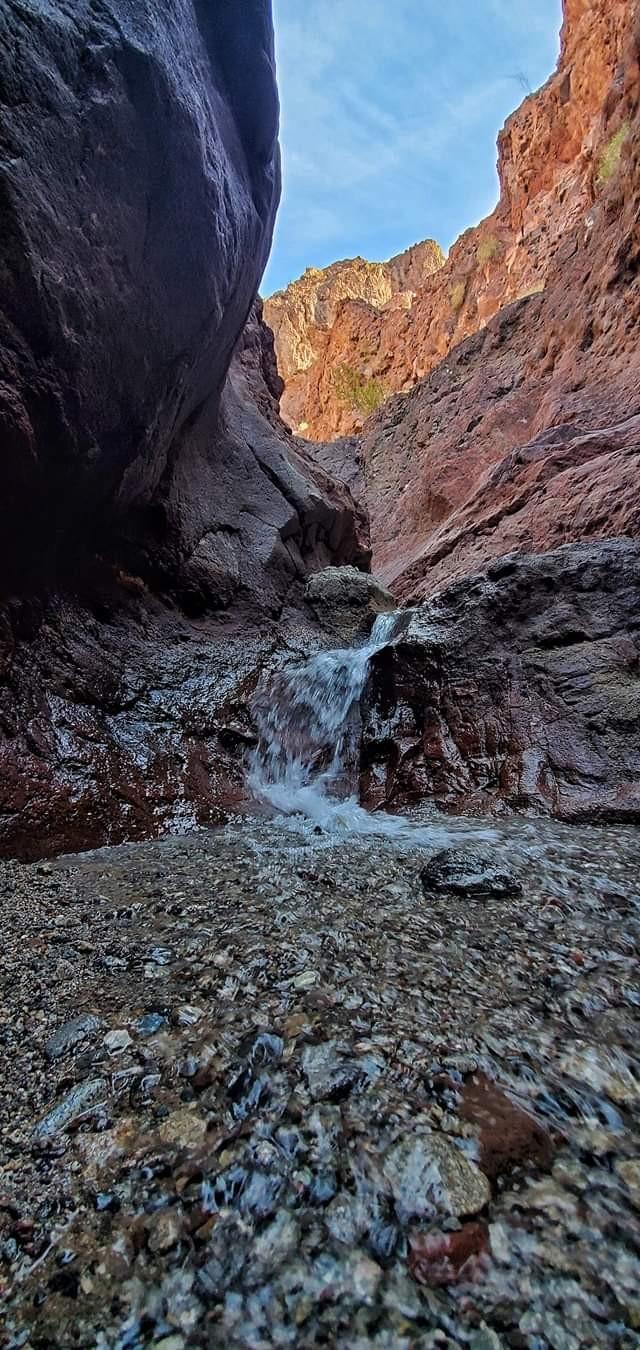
508 1136
549 164
449 1258
526 436
307 315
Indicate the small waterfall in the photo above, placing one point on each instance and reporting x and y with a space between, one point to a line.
306 761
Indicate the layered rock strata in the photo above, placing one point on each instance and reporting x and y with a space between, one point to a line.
306 318
526 436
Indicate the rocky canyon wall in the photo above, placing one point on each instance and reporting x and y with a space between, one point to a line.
526 436
552 159
156 520
503 492
305 318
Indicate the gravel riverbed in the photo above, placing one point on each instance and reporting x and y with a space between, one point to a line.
263 1086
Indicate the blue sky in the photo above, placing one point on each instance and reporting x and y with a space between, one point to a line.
390 110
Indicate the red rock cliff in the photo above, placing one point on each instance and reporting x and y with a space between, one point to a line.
306 316
549 175
527 435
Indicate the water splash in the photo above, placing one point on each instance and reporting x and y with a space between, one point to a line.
306 761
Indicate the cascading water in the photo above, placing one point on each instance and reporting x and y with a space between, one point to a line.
309 731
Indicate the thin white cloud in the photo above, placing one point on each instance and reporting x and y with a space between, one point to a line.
387 111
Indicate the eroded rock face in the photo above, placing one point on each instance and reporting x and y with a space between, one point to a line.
526 436
550 157
305 315
156 517
518 687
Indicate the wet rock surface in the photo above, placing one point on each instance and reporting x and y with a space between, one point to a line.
346 601
320 1106
468 872
517 687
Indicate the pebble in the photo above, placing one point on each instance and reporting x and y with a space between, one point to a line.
629 1172
428 1174
76 1102
117 1040
608 1074
164 1231
71 1034
183 1127
309 1183
188 1015
305 980
150 1024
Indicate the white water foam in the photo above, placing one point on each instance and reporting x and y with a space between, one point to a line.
308 721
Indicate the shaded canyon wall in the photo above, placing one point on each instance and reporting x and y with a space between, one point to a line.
156 520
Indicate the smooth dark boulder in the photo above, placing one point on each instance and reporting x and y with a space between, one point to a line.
468 872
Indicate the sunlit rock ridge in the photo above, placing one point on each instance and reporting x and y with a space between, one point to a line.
550 169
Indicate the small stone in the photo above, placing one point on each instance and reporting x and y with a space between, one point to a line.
507 1134
346 1219
364 1277
70 1035
188 1015
165 1230
161 956
80 1099
629 1172
149 1024
305 980
429 1175
603 1072
499 1243
438 1258
116 1041
183 1127
469 872
329 1073
485 1339
277 1243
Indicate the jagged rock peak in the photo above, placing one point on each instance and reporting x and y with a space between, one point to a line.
550 170
302 313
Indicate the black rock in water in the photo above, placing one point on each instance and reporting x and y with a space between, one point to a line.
469 872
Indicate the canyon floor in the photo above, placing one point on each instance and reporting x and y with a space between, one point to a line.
263 1086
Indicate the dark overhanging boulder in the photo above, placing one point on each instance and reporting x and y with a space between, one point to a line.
138 189
157 523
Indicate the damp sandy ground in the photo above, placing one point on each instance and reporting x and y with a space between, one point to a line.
260 1088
